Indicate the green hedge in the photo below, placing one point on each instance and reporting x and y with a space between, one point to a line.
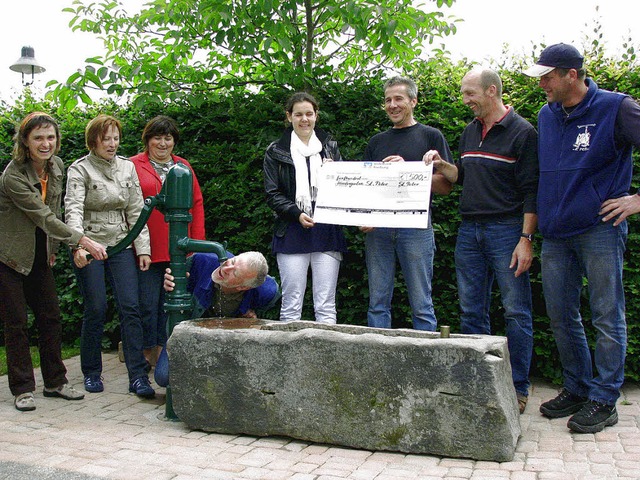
225 142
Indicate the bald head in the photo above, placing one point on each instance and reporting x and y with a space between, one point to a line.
486 78
482 92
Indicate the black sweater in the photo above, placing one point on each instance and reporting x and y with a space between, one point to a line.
499 174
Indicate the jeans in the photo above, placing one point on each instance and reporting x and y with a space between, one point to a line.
324 277
597 255
121 270
151 295
483 253
414 249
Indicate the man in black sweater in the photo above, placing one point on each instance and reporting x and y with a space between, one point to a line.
498 171
414 248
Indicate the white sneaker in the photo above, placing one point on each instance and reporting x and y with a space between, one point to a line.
25 402
65 391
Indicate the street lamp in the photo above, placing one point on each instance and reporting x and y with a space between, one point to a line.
27 64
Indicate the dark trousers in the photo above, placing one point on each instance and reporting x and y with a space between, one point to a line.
151 295
38 292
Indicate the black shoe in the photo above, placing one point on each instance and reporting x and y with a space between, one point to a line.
93 383
593 417
563 405
142 388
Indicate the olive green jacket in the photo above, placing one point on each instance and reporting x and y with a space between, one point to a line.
104 200
22 210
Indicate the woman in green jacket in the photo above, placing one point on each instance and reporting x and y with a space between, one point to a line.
30 233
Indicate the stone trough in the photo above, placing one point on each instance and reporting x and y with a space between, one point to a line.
373 389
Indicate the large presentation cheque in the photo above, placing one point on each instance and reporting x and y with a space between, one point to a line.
374 194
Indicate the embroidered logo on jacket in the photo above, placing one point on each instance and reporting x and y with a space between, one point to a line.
582 140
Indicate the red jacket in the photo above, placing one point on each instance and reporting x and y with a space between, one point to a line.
159 229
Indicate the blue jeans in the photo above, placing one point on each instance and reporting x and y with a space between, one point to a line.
121 270
415 249
597 255
154 318
483 253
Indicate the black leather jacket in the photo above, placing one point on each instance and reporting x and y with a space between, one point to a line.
280 176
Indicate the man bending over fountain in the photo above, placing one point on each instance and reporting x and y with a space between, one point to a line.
237 288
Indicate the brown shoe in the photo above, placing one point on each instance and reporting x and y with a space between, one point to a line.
522 402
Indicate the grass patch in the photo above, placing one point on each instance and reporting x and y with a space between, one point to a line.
67 352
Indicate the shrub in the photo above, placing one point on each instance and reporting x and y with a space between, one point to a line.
225 142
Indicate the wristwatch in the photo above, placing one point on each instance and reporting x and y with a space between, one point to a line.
528 236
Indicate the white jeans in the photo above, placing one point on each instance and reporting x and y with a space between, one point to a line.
324 277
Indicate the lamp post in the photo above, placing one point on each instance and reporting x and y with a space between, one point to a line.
27 64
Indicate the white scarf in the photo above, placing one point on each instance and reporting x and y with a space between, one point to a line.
299 154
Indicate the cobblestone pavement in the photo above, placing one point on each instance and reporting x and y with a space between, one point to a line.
115 435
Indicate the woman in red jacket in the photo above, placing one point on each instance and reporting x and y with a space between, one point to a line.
160 136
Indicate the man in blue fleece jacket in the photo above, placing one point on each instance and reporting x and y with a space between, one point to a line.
236 288
586 136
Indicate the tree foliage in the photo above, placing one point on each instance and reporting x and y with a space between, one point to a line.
193 49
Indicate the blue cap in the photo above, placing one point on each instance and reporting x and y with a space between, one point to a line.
560 55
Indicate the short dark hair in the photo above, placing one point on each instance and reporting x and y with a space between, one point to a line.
160 125
298 98
30 123
97 127
582 72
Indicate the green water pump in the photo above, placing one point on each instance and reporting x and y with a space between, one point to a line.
174 201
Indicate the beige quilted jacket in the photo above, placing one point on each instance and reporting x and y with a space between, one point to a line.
104 200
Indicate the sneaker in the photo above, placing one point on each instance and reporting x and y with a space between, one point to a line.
565 404
25 402
142 387
93 383
593 417
65 391
522 402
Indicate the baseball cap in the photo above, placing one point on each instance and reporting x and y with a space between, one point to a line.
560 55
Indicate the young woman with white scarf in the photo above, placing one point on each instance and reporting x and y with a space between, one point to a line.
290 177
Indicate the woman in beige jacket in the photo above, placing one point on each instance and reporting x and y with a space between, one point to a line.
104 200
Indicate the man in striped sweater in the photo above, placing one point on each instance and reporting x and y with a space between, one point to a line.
498 172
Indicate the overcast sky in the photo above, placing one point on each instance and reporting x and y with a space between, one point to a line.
487 25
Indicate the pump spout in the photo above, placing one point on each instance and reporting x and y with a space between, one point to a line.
190 245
